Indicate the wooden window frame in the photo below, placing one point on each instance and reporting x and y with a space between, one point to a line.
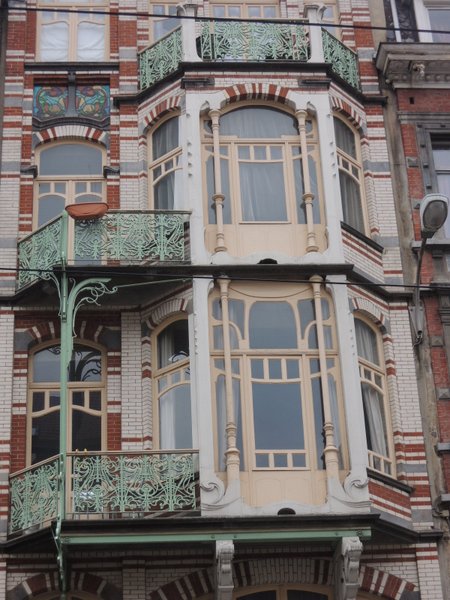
72 386
174 155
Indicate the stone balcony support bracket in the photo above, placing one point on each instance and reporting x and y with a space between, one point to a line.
224 570
346 560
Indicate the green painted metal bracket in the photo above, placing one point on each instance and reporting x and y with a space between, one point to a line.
330 535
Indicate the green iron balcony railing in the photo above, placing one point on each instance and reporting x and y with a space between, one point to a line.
250 41
343 61
118 238
100 484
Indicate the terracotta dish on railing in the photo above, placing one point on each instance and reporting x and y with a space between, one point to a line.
87 210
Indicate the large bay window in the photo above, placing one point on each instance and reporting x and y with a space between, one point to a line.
373 389
67 173
72 36
350 175
278 383
165 165
262 175
86 415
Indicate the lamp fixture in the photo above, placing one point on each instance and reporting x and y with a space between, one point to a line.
433 214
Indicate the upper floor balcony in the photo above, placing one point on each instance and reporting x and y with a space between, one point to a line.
99 485
219 41
120 238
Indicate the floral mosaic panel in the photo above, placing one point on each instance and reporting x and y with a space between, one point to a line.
92 101
50 101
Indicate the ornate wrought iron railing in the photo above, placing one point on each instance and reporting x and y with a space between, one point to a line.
99 484
160 59
119 237
34 496
253 41
343 61
133 483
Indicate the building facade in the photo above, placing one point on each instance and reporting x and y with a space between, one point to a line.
208 389
415 78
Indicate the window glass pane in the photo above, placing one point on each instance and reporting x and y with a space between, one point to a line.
86 431
366 342
71 159
298 460
38 401
86 364
78 398
257 368
275 369
345 138
257 122
262 461
165 138
175 427
262 192
307 314
292 369
45 436
277 414
49 207
46 365
272 325
53 399
54 41
173 343
236 312
375 420
351 201
91 41
164 192
441 157
440 21
280 461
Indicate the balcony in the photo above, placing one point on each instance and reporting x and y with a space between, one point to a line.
104 485
238 41
117 239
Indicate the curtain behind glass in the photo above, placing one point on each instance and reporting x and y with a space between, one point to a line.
165 138
366 342
351 201
54 41
345 138
91 41
262 192
175 424
374 419
257 122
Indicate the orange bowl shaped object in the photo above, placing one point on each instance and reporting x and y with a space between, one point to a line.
87 210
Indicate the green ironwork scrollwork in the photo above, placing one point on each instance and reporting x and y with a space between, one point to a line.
161 59
131 237
39 251
343 61
143 483
256 41
34 496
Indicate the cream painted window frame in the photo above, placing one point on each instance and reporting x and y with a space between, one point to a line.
73 386
71 19
244 355
169 6
244 9
70 181
180 368
174 155
387 463
355 164
286 143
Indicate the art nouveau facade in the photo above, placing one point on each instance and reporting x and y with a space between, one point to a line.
210 389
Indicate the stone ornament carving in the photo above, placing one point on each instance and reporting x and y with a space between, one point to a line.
224 569
347 556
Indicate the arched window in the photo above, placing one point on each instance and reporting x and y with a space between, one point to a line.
67 173
261 166
72 36
165 165
277 379
373 389
350 175
172 386
85 401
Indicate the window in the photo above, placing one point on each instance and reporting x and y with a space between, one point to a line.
67 174
245 10
165 165
277 382
441 163
373 389
350 175
164 24
72 36
85 401
284 594
261 166
439 14
172 387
